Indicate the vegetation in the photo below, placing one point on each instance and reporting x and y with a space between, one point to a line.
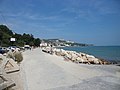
28 39
21 40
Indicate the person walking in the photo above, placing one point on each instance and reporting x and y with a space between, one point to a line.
51 49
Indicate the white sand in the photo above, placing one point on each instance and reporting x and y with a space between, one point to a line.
43 71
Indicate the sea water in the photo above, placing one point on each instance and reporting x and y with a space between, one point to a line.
111 53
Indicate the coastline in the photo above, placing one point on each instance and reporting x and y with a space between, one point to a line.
51 72
77 57
108 53
44 71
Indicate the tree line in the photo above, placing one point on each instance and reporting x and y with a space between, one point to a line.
20 39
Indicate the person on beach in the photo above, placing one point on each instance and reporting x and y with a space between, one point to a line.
51 49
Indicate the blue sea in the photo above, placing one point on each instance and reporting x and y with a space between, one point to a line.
110 53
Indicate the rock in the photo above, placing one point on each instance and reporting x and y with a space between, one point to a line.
77 57
1 57
80 60
96 61
15 55
68 55
89 56
74 57
10 54
18 56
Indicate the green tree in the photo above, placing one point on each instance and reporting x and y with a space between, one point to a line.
1 37
21 40
5 29
37 42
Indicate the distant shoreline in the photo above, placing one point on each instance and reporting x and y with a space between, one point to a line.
84 49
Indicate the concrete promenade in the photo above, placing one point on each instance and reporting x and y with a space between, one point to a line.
42 71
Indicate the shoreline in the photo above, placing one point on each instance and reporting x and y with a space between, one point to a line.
74 56
113 61
44 71
53 73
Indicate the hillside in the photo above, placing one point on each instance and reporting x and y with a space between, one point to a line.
20 40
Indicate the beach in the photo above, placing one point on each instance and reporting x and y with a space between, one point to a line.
42 71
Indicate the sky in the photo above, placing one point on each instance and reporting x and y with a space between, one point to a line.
85 21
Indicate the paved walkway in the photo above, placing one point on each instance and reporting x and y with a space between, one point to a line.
42 71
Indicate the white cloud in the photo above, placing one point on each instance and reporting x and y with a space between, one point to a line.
90 9
61 18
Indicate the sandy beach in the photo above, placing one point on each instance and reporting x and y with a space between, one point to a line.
42 71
